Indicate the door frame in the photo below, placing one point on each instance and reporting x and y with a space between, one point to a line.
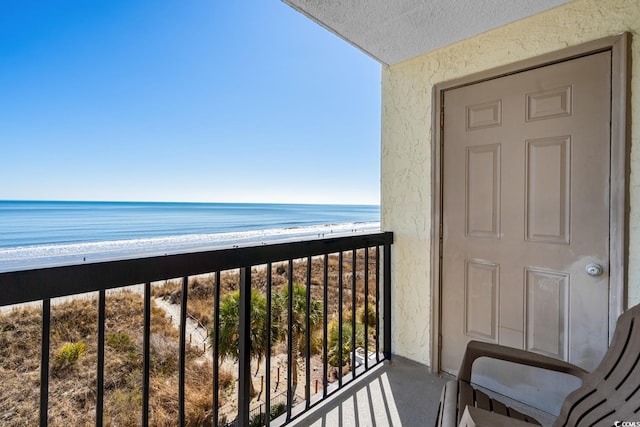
619 46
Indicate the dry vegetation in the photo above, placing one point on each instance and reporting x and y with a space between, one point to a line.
201 289
72 382
201 299
73 349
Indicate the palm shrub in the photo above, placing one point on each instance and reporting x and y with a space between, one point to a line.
333 341
298 322
228 340
229 336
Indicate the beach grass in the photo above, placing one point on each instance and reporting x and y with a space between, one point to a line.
73 347
72 381
201 288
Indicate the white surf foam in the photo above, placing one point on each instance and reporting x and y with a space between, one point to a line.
64 254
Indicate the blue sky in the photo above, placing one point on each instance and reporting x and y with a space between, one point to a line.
204 101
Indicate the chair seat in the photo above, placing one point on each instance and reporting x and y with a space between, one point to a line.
457 395
608 394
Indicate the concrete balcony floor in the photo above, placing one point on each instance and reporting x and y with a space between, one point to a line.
396 393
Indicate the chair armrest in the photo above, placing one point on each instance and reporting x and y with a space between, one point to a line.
476 417
477 349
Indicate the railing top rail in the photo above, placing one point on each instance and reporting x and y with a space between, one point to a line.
36 284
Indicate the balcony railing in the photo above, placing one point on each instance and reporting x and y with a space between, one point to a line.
345 283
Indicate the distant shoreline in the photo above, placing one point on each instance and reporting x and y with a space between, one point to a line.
157 202
52 255
36 234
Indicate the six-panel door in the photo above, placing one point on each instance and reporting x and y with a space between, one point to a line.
526 212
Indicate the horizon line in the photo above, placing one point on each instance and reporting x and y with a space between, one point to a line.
187 202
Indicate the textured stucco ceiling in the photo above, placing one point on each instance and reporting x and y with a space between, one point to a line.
392 31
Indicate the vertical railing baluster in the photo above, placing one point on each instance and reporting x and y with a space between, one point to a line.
146 359
340 283
44 362
100 368
352 356
307 389
377 304
325 332
244 359
267 363
183 349
216 349
366 308
387 301
289 340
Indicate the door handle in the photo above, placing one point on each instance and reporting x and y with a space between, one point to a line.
594 270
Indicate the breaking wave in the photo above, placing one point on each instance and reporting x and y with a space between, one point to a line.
40 256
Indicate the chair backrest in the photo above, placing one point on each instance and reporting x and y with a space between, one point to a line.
612 391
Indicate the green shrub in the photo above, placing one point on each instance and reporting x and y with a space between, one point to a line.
120 342
277 410
70 352
259 420
333 341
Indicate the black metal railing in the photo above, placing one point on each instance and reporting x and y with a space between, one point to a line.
363 262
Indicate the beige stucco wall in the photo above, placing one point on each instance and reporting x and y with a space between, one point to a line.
406 143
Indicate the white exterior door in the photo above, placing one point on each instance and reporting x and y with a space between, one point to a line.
526 216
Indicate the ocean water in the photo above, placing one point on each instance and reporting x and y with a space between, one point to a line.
47 233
